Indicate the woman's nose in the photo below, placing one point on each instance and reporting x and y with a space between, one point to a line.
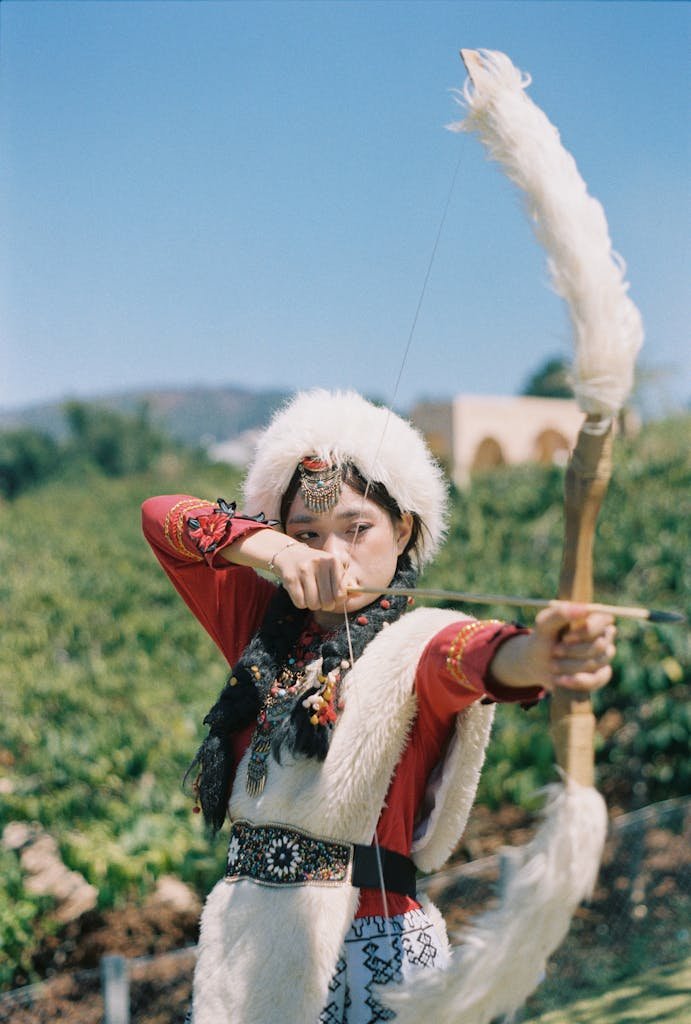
333 544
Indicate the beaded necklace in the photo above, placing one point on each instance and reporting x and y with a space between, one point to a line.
281 696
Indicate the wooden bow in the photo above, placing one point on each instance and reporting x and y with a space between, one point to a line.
607 331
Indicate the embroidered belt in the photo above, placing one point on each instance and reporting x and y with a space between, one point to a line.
280 855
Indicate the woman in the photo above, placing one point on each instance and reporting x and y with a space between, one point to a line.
346 746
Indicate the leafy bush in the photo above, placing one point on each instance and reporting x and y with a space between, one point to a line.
117 443
27 457
23 922
105 678
101 440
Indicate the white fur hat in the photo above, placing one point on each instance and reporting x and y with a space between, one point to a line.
342 427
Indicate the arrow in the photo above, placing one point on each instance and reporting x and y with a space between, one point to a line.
618 611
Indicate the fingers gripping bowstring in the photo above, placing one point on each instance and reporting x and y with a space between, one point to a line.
369 476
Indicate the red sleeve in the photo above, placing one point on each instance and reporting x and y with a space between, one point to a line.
228 600
452 673
454 669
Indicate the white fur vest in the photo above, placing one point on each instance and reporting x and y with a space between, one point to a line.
266 955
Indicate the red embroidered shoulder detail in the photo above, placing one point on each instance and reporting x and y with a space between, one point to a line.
454 659
174 526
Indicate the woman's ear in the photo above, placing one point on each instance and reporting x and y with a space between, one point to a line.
403 529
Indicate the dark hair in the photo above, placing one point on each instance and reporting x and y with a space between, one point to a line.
266 654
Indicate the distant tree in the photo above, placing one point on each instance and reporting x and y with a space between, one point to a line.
114 443
26 458
550 380
119 444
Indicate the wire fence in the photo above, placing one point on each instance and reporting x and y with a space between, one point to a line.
639 919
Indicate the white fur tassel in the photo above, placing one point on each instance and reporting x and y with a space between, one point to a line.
570 224
503 953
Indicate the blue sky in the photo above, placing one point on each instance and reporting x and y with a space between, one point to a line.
249 193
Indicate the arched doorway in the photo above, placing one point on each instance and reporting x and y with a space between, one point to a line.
488 455
551 448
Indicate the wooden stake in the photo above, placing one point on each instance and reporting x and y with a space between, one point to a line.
115 984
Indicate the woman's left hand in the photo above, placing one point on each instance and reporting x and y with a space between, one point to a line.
573 647
569 647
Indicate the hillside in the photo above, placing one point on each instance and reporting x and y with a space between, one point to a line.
193 416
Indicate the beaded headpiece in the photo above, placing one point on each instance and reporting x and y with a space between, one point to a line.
319 433
320 483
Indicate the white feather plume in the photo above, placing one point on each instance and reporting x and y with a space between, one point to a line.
570 224
503 954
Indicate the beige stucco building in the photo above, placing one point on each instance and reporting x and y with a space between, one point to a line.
476 432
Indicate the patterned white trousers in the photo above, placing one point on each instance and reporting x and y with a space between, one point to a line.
378 952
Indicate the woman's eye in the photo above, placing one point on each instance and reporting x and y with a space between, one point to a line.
359 530
305 536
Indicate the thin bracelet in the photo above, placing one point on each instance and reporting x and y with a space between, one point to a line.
270 567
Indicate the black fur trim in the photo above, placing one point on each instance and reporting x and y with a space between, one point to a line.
259 666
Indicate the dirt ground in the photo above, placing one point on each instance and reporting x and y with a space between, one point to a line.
641 902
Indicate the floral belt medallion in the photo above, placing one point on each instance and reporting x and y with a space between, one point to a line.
279 855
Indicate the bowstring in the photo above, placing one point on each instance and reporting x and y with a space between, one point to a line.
368 484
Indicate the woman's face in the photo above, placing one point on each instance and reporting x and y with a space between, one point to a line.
358 532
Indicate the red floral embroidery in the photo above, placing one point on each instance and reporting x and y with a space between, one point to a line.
209 529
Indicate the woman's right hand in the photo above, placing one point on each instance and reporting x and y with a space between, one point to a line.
314 579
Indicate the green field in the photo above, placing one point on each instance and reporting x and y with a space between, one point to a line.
105 676
661 995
